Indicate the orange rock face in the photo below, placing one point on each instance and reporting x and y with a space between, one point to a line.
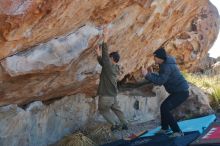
46 47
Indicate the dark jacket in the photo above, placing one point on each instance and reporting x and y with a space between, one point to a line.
169 76
108 77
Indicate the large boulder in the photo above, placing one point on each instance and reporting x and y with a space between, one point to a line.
197 103
43 124
46 47
216 68
205 65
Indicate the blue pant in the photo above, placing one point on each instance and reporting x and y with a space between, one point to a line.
171 102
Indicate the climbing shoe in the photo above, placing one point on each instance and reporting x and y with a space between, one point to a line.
124 127
176 134
161 131
115 127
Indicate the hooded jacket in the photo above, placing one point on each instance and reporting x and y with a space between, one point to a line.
169 76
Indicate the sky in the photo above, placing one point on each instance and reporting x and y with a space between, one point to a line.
215 50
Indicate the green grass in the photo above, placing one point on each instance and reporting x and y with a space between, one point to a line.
216 93
209 84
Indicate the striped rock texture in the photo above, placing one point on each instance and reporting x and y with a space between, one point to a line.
47 46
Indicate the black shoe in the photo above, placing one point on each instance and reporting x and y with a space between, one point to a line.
115 127
124 127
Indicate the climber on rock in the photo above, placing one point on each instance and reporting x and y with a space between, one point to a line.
175 84
107 89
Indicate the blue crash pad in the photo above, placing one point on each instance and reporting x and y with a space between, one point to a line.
198 124
158 140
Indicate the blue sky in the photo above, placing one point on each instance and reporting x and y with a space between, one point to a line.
215 50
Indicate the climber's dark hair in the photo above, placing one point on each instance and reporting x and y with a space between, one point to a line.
115 56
